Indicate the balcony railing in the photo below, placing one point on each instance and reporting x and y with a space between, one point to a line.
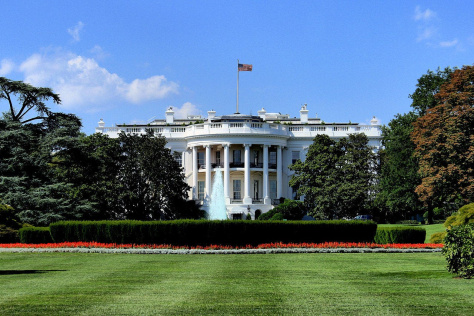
205 129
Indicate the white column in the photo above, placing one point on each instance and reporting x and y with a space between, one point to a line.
208 172
226 174
266 197
279 172
247 199
195 173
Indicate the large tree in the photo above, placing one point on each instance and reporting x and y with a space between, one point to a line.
152 180
444 142
29 98
399 170
337 178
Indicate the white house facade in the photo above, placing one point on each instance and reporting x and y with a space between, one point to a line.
253 152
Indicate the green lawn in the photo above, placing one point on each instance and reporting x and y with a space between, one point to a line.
430 229
336 284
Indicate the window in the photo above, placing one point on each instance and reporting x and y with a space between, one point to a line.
273 189
272 159
295 156
178 157
237 188
237 156
200 190
218 158
201 160
255 157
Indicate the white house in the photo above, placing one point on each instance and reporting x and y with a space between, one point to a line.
253 152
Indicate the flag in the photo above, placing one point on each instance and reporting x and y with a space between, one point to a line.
245 67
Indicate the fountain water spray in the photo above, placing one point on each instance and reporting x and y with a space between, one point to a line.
217 209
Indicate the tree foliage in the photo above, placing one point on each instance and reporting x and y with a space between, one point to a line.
399 169
427 87
444 141
29 98
337 178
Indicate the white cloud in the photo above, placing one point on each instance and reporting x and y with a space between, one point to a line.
98 52
156 87
449 43
74 31
425 33
6 66
425 15
82 83
186 109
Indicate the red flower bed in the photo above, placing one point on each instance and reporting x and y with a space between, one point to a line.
223 247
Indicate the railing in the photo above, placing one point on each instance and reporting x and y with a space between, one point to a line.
222 128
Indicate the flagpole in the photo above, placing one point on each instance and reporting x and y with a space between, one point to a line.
237 87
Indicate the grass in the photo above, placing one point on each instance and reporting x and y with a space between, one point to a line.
430 229
336 284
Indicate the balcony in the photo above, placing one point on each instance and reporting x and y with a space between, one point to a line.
242 128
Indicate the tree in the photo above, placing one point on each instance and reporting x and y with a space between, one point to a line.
427 87
29 98
444 141
152 181
27 174
399 169
92 166
337 179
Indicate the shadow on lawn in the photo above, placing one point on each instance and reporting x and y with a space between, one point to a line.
7 272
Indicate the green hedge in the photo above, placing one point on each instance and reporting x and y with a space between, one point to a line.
400 235
35 235
204 232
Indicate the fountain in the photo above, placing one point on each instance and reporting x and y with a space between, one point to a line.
217 209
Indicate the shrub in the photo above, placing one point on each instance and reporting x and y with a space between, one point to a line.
268 215
277 217
463 216
400 235
437 238
291 209
459 250
204 232
35 235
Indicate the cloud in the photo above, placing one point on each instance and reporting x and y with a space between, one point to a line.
6 66
98 52
452 43
425 15
74 31
186 109
156 87
426 26
82 83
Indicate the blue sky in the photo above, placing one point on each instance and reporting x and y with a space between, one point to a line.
127 61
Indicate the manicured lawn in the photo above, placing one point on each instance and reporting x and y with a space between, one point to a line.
430 229
336 284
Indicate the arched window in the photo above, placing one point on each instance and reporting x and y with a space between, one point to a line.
257 213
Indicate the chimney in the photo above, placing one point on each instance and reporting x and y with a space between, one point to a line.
211 115
169 115
304 114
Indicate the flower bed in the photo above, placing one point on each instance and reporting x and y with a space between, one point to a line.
326 245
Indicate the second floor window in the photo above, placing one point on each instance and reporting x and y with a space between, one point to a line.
237 156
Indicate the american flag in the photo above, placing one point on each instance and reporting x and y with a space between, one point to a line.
245 67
